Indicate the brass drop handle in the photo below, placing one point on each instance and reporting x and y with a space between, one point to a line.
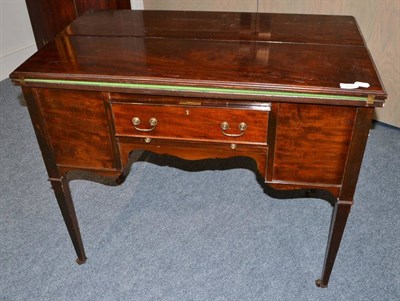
152 122
242 128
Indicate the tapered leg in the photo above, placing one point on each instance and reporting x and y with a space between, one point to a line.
338 223
64 199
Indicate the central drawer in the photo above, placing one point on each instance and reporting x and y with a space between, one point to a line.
213 124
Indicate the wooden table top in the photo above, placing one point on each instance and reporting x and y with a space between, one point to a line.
263 52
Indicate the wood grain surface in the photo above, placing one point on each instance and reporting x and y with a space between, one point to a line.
312 143
79 138
378 19
191 123
219 26
296 144
300 54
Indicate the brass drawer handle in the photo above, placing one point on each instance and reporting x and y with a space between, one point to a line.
152 122
242 128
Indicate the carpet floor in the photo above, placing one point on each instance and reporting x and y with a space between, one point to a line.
202 232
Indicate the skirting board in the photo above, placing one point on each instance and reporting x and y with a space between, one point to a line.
15 57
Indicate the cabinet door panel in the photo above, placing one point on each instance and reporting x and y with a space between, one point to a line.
77 125
312 143
49 17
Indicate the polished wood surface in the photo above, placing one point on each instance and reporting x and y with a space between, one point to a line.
80 138
316 64
49 17
312 143
378 21
207 63
278 74
191 123
191 150
219 26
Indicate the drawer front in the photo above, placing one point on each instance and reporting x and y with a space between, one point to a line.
191 123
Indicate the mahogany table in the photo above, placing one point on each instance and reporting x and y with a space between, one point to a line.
206 85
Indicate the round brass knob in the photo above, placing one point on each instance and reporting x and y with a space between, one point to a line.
242 128
135 120
225 126
152 122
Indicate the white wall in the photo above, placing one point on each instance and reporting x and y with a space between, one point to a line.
137 4
17 42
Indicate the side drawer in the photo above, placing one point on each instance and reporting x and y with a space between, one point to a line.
216 124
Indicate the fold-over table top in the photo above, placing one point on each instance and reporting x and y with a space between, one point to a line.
210 51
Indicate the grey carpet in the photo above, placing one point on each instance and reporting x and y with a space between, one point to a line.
170 233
